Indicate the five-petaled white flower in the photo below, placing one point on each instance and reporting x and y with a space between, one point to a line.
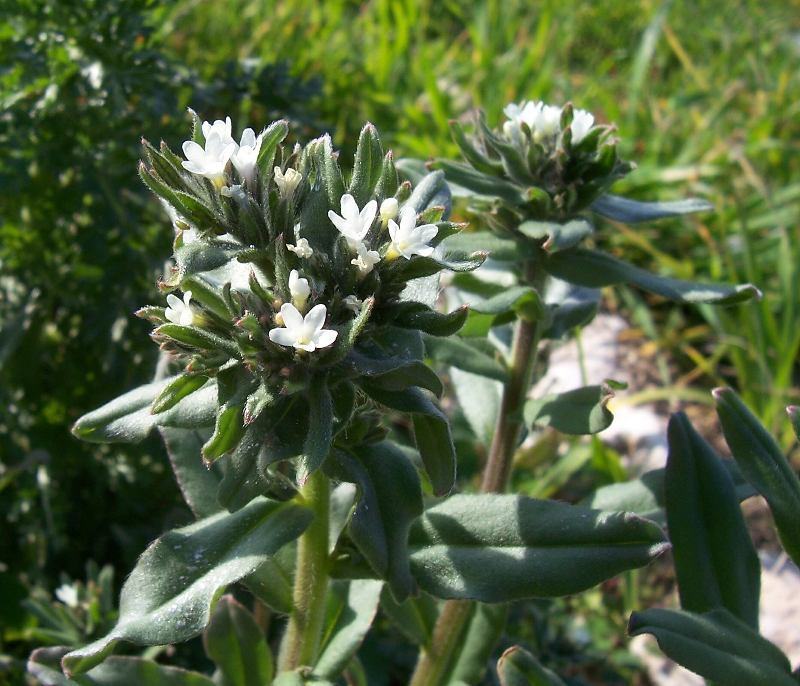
388 210
354 225
180 312
303 249
547 123
211 160
352 302
366 260
582 123
246 155
303 333
408 239
287 181
299 290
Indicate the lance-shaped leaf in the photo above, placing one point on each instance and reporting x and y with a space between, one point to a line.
498 548
413 315
431 431
482 184
234 385
176 390
272 137
633 211
517 667
522 301
272 583
431 191
764 465
367 166
319 438
499 249
595 269
349 613
556 236
469 355
475 157
418 266
128 419
204 256
715 561
185 204
389 498
115 671
415 617
197 482
480 399
579 412
393 373
568 306
715 645
236 644
481 634
169 594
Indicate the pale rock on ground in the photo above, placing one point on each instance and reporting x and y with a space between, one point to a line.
643 433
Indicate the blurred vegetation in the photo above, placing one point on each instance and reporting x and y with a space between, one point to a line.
706 96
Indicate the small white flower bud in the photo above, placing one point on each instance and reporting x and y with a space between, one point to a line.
303 250
389 209
299 290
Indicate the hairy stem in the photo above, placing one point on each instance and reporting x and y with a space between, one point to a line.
301 641
433 663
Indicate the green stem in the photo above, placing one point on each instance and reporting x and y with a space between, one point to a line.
434 662
301 641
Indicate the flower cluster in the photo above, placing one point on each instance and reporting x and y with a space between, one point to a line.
543 121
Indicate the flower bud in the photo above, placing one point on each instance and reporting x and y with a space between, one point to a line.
389 209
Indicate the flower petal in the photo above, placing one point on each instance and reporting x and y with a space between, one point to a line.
282 336
315 318
349 207
367 215
339 222
248 138
192 151
291 317
325 337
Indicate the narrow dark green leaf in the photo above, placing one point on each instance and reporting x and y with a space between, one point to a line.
517 667
596 269
351 608
557 237
43 664
175 391
195 337
715 645
367 165
500 249
464 355
431 191
579 412
431 431
764 465
419 267
411 315
273 581
483 631
319 438
197 482
479 183
633 211
568 306
530 548
415 617
272 137
389 498
168 596
480 400
237 646
127 419
715 561
475 157
524 300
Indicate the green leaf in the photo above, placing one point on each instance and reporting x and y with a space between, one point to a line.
431 191
169 594
517 667
579 412
348 616
273 582
418 266
196 337
715 561
466 355
319 438
632 211
483 631
498 548
412 315
367 165
127 419
764 465
523 300
177 390
557 236
596 269
237 646
234 385
431 431
393 373
115 671
415 617
389 498
715 645
480 399
479 183
272 137
500 249
475 157
197 482
568 306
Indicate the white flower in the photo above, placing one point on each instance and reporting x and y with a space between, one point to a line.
547 123
287 181
408 239
299 290
526 112
68 595
234 191
354 225
582 123
303 333
366 260
389 208
221 128
302 249
211 160
246 155
180 312
352 302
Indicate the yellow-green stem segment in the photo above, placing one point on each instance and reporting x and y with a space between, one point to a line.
301 642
